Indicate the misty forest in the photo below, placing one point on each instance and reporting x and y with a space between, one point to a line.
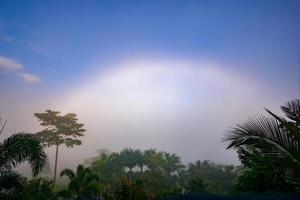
149 99
267 147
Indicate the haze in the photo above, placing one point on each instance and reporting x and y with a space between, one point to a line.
170 75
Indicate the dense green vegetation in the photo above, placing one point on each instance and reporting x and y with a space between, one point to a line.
13 151
268 148
158 175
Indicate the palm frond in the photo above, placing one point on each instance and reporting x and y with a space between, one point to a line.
292 110
10 179
292 129
3 126
19 148
11 185
266 134
67 172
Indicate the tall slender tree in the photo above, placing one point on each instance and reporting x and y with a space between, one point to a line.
59 129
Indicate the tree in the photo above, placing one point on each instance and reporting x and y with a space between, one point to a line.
83 183
161 176
59 129
260 179
128 159
171 163
217 178
154 160
13 151
272 142
131 190
196 185
140 159
39 188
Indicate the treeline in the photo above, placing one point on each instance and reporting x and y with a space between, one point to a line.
133 174
268 148
152 174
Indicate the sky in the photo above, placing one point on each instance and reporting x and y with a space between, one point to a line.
172 75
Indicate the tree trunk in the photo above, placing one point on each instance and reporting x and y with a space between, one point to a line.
142 169
130 174
55 165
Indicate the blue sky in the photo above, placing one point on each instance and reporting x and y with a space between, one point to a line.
67 36
71 47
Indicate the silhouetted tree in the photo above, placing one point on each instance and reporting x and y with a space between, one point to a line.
59 130
83 183
217 178
271 142
171 163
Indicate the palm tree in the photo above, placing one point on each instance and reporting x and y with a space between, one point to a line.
272 140
154 160
171 163
13 151
83 183
128 158
140 159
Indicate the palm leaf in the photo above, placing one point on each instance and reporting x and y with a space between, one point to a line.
292 110
266 134
19 148
11 184
69 173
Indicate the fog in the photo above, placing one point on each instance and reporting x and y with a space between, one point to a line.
185 107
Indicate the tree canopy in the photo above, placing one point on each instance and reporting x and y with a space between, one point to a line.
58 130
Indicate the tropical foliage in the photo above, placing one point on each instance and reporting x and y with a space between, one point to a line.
269 147
153 174
83 183
13 151
37 189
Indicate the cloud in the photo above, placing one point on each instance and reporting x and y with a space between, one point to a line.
180 108
30 78
10 64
